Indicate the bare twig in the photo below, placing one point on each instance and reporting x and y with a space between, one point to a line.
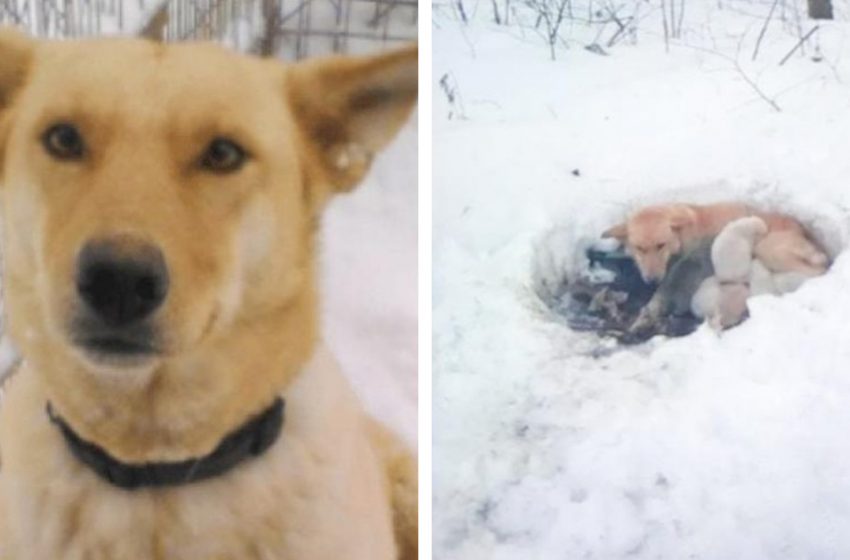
621 26
461 10
798 24
155 27
799 44
737 66
268 41
754 86
450 88
672 18
764 28
622 29
681 16
552 13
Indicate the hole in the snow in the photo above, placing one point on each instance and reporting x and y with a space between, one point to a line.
653 280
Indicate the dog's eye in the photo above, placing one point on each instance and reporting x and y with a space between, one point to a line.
64 141
223 156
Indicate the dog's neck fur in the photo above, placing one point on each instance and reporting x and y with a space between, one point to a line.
184 410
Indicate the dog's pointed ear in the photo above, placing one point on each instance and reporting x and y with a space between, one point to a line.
618 232
349 108
681 217
15 56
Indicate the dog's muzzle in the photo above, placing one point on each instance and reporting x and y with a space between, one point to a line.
120 283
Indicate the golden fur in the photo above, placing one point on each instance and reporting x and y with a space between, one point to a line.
655 234
240 323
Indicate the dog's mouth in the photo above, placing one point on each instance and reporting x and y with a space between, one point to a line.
117 352
116 347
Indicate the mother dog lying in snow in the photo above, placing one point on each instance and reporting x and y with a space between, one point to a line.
160 207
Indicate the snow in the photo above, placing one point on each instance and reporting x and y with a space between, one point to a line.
555 444
369 265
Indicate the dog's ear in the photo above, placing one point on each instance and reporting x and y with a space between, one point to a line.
15 55
681 217
349 108
619 232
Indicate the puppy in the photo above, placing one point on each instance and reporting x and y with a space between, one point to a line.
733 248
655 234
763 281
160 207
721 299
721 305
738 274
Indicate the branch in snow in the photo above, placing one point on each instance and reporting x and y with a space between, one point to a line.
764 29
799 44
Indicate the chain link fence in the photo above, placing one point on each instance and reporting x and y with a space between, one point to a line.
291 29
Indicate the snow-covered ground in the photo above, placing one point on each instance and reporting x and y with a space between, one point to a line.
554 444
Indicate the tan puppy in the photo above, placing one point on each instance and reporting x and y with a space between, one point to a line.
656 233
160 206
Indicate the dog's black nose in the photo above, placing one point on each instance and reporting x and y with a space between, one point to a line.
122 281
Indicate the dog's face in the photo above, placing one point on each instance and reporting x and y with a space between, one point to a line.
155 196
652 236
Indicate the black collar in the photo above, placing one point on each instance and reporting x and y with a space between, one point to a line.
250 440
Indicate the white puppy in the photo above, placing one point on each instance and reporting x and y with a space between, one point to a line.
763 281
722 299
732 252
722 305
738 274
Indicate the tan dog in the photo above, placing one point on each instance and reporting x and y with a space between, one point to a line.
788 247
655 234
160 206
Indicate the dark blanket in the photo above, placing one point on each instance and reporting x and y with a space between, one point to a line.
610 307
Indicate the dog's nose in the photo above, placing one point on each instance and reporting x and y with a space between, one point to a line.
120 280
